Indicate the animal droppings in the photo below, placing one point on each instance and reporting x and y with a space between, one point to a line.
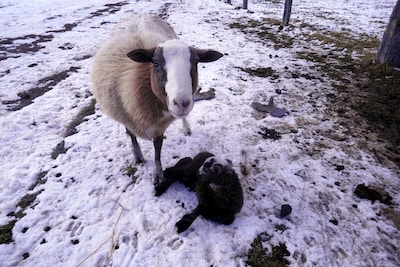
286 209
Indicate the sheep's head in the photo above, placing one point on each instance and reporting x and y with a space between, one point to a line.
215 166
174 76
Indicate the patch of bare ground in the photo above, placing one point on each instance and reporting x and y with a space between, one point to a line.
361 95
43 86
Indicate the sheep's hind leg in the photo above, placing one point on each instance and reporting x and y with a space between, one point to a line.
139 159
158 172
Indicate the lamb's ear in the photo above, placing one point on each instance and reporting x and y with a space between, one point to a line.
141 55
208 55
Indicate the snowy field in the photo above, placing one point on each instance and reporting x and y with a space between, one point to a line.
73 197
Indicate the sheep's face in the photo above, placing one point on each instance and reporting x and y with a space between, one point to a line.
174 76
215 165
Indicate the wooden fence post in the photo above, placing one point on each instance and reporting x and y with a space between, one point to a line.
287 12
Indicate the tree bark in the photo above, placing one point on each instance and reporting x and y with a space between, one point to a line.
244 4
287 12
389 48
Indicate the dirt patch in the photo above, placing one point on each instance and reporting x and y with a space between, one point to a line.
23 45
31 43
109 9
25 202
267 133
6 232
372 194
71 129
261 72
80 118
59 149
363 94
44 85
266 29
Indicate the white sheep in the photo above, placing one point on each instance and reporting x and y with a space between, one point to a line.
145 77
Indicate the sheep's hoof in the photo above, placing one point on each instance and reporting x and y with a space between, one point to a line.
187 132
160 188
182 225
158 178
139 160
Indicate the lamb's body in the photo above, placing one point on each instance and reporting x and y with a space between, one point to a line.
217 187
144 77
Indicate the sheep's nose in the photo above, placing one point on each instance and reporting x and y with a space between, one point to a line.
183 103
181 106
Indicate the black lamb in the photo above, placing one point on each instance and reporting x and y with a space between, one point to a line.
217 187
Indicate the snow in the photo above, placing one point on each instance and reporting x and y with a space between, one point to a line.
88 203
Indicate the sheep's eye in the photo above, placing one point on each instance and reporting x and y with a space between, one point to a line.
155 63
208 164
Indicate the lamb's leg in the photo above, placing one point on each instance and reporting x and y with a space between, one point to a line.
139 159
158 173
187 220
171 175
204 95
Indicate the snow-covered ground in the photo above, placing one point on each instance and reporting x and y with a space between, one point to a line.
82 208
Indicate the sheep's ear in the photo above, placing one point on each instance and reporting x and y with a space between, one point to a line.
141 55
208 55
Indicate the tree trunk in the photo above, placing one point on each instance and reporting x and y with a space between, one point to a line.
244 4
287 12
389 49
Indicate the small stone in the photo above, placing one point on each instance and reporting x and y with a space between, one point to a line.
334 221
339 167
286 209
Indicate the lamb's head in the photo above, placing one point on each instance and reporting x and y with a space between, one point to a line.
174 76
215 166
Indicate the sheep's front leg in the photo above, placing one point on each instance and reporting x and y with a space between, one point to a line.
157 173
186 127
139 159
187 220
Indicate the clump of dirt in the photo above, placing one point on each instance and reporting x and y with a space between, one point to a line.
59 149
260 72
6 232
258 256
372 194
267 133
